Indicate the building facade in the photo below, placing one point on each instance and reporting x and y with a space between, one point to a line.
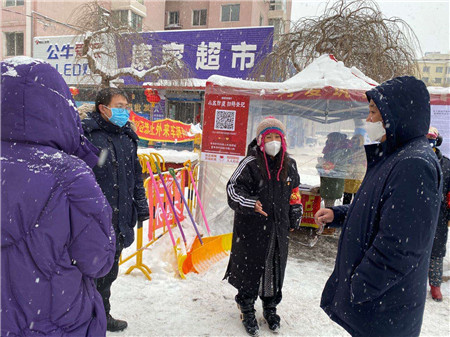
434 69
23 20
25 24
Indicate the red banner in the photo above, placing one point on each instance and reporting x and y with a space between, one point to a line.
225 128
311 204
156 212
164 130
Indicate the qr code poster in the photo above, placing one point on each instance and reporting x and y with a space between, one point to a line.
225 120
225 126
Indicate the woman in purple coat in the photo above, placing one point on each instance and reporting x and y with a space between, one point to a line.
56 233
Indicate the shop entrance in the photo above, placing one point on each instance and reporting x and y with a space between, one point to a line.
186 112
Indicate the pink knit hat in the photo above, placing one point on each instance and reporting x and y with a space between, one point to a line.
266 126
433 133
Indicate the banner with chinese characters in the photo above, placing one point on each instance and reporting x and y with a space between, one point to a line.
164 130
228 52
440 117
225 128
156 212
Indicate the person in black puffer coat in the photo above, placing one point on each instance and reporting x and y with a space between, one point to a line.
119 175
440 238
263 192
379 283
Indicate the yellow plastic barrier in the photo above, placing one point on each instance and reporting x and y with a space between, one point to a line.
199 257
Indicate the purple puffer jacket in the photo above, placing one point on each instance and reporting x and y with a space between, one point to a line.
56 233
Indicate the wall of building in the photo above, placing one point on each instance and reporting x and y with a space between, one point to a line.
13 19
434 69
52 17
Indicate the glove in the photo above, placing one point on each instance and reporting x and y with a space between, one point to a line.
142 218
295 216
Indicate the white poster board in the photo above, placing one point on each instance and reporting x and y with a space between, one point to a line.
440 119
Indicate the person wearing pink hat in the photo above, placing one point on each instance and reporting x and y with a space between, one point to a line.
263 192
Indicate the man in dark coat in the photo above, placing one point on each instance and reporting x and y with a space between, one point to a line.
440 238
56 233
119 174
379 283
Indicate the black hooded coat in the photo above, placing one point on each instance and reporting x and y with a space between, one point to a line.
379 283
120 176
440 238
251 230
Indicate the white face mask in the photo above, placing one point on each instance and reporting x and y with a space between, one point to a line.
272 148
375 131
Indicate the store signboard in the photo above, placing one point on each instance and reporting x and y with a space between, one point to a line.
231 52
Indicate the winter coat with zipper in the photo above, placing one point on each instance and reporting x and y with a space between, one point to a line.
120 175
440 238
251 230
56 233
378 286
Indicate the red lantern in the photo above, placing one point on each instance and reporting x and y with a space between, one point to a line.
74 91
152 96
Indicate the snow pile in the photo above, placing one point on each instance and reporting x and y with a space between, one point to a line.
172 156
203 305
195 129
439 90
194 83
21 60
322 72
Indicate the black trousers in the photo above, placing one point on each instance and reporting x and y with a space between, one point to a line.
104 283
245 299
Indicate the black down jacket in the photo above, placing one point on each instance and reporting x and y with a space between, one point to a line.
379 283
251 231
440 239
120 176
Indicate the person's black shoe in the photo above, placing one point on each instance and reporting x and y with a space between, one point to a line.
272 319
250 323
113 324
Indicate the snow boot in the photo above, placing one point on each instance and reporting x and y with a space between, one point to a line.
272 319
113 324
248 319
436 293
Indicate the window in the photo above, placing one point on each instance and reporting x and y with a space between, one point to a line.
14 44
439 69
448 80
426 69
174 18
10 3
425 79
127 17
448 70
199 17
278 27
437 80
275 5
136 21
120 17
230 12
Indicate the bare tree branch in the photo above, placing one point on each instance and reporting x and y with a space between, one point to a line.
355 32
107 43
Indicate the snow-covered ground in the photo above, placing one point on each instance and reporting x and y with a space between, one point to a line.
203 304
